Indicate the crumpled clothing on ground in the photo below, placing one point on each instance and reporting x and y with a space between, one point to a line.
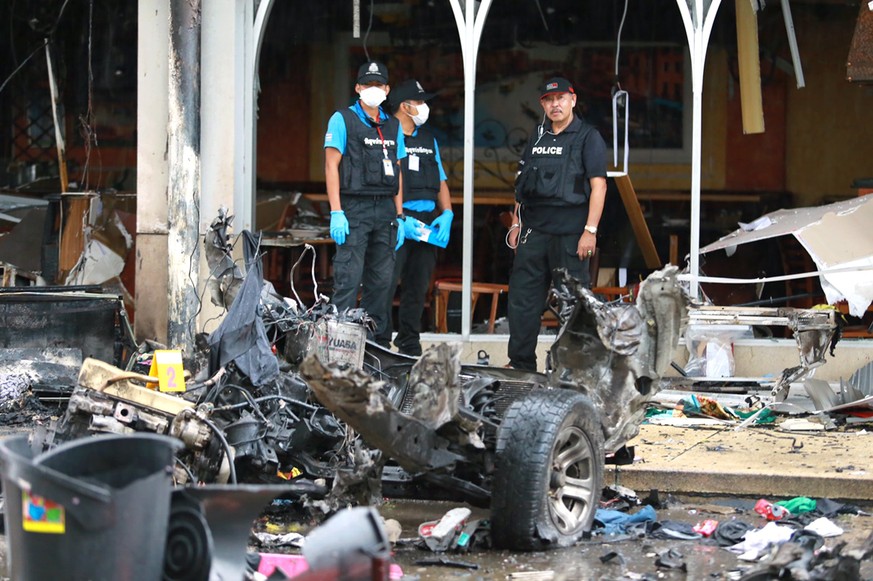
807 539
671 529
794 561
731 532
756 542
827 507
824 507
824 527
799 505
614 522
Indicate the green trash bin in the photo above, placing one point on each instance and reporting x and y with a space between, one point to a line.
91 509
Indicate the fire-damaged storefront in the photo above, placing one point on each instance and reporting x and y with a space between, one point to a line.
172 358
270 74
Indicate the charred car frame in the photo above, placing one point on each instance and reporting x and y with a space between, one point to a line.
532 446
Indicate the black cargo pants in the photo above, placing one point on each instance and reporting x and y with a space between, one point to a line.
365 263
413 269
537 258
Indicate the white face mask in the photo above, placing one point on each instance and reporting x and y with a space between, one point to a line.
373 96
421 118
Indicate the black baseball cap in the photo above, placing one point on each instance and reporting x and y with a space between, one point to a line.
556 85
410 90
372 71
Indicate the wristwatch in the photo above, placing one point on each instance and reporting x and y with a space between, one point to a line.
592 229
400 217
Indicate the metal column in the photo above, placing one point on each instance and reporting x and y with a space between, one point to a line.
470 21
698 17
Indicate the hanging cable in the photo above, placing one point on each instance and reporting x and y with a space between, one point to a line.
58 19
367 34
620 99
48 37
306 248
24 62
618 41
86 121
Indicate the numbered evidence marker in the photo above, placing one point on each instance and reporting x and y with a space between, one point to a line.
167 367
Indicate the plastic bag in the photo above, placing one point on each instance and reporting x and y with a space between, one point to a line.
711 349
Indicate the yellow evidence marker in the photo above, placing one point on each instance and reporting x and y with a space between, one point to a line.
167 367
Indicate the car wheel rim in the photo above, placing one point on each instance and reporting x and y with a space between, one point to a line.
571 485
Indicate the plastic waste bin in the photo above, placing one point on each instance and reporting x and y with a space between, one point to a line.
95 508
352 544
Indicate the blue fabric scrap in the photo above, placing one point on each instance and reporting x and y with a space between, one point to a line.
615 522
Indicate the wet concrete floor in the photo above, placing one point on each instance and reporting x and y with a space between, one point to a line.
703 559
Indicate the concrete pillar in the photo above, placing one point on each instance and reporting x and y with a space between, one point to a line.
151 171
195 152
227 114
183 157
224 155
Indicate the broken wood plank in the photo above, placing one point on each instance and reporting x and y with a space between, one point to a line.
72 242
749 61
638 221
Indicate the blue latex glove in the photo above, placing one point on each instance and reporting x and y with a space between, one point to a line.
339 226
401 235
410 229
443 226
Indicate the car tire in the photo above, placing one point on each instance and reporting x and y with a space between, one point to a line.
549 471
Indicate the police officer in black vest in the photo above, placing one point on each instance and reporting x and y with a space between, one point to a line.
426 199
362 147
560 191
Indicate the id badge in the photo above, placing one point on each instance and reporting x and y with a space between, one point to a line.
413 162
389 167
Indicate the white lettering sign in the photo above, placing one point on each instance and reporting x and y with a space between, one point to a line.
370 142
547 150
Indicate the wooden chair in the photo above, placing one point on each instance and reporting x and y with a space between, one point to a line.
614 293
443 287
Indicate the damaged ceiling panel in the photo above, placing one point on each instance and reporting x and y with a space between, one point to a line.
859 66
836 236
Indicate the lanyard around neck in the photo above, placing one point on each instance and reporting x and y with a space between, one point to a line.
377 123
382 138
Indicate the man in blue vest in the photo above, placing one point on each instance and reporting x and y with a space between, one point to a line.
559 191
362 147
426 199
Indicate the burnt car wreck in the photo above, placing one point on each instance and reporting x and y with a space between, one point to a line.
337 430
531 446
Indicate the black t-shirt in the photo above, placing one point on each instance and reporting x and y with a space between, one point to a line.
566 219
